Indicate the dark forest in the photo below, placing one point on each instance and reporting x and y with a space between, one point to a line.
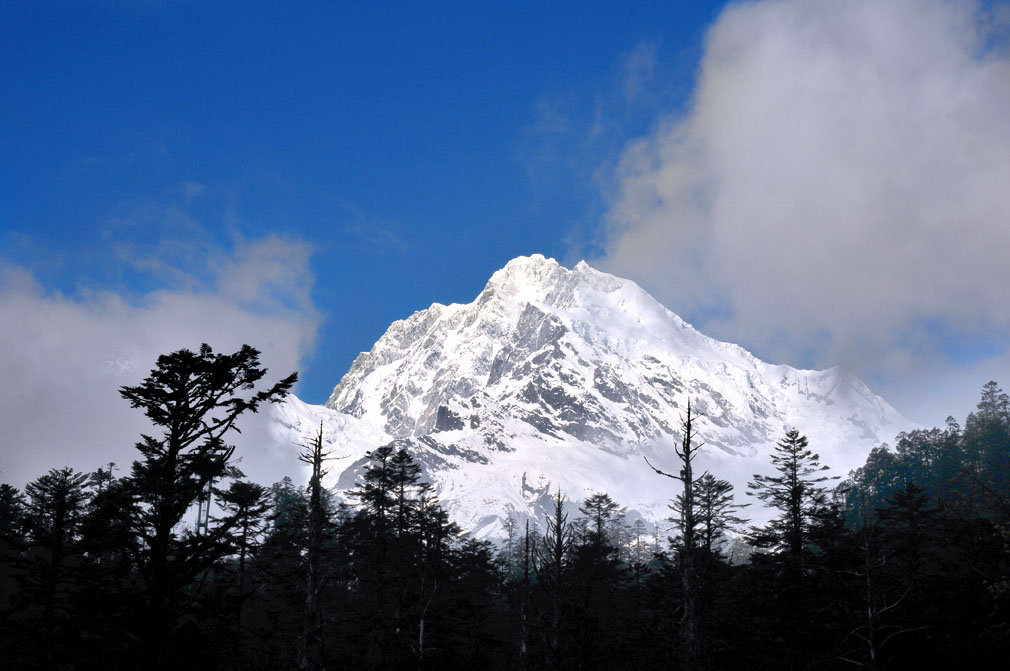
903 564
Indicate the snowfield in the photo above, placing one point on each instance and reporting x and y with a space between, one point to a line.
557 378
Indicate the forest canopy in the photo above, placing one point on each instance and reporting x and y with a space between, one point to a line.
903 563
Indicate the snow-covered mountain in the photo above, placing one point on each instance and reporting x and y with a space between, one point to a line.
565 378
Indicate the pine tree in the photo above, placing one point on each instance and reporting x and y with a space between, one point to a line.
12 543
717 511
196 399
12 523
551 565
54 516
248 503
275 614
910 522
596 580
797 494
987 444
400 543
599 510
524 600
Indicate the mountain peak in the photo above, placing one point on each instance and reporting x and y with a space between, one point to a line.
526 278
568 376
543 281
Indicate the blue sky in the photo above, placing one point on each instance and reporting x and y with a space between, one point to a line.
404 144
821 182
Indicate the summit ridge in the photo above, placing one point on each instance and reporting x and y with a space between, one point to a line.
556 377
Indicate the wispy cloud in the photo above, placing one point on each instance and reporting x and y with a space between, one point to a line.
638 71
377 232
838 187
576 135
576 127
64 356
191 191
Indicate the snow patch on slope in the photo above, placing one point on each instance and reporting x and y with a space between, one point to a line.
564 378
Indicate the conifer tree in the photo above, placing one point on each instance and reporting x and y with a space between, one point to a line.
400 544
12 541
248 503
796 493
552 561
717 511
195 398
599 510
524 600
596 580
54 515
987 444
12 522
275 614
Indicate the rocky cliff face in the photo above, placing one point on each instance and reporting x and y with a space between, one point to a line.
556 377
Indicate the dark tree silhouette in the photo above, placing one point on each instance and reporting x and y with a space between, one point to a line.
195 398
800 498
248 503
552 561
685 515
796 493
717 511
315 454
599 510
55 513
987 447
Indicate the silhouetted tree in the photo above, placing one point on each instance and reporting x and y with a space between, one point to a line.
248 503
12 533
599 510
54 515
796 493
315 455
596 577
686 517
552 561
987 448
274 616
717 511
195 398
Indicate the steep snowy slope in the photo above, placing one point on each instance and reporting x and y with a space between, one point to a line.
557 377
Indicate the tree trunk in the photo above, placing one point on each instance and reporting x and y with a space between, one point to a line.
311 648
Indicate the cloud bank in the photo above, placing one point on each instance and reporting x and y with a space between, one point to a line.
63 358
839 190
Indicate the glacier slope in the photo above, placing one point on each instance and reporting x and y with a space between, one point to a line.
564 378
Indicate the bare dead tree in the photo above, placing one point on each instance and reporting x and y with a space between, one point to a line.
684 507
315 455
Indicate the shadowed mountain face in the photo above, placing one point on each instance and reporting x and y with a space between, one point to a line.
564 378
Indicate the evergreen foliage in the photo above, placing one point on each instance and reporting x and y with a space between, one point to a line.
195 398
906 565
796 493
716 511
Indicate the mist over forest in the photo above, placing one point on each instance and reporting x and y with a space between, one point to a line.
903 563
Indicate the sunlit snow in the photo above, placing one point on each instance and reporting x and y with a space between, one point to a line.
564 378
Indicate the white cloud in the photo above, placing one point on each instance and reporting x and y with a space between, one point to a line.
63 358
839 190
929 393
638 69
